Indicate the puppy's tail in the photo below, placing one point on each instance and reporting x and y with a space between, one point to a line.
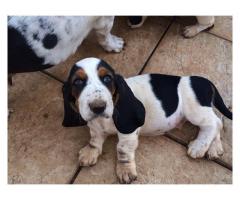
219 104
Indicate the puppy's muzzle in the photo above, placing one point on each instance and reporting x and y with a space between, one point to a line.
97 106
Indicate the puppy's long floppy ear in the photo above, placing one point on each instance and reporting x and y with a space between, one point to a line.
129 112
71 115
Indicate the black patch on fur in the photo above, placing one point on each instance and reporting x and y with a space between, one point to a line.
42 23
24 27
165 89
72 72
50 41
207 94
135 20
21 57
71 80
129 112
71 117
36 37
109 85
202 89
45 25
77 88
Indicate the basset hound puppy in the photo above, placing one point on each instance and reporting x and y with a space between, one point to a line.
39 42
204 23
109 104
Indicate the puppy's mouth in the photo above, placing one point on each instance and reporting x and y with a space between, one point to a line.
94 116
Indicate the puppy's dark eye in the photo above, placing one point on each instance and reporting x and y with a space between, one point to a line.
78 82
107 79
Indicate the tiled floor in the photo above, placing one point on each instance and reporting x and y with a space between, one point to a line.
40 150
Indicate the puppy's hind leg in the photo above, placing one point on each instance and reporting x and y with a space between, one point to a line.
215 149
108 41
204 23
210 127
197 95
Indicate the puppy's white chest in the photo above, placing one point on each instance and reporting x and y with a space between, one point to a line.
103 125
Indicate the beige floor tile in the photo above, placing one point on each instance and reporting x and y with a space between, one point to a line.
40 150
139 44
159 161
104 171
205 55
222 26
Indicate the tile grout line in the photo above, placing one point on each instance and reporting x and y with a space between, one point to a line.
156 46
75 175
218 36
185 144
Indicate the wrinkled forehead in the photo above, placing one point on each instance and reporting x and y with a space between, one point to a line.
92 67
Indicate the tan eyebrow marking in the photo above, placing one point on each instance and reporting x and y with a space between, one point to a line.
81 74
102 71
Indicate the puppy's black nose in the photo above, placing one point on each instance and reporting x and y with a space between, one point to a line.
97 106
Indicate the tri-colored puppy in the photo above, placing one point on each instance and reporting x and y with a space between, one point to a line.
109 104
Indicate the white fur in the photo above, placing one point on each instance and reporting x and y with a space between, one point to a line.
70 30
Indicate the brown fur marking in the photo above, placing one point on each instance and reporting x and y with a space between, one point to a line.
81 74
102 71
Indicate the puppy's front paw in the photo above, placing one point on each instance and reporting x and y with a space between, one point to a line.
114 43
88 155
197 149
126 172
190 31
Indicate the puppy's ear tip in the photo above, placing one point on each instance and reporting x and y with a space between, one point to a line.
72 118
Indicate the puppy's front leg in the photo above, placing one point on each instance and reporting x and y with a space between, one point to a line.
88 155
108 41
204 23
126 166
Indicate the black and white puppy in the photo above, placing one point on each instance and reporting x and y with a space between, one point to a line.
147 104
203 23
39 42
